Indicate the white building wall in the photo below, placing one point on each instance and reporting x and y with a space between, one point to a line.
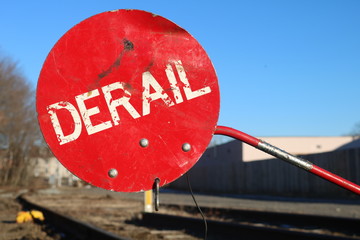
296 146
53 170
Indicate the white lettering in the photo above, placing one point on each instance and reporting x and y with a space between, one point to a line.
187 88
173 84
56 124
152 91
86 113
123 101
147 81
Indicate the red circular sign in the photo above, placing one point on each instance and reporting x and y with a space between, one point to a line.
126 97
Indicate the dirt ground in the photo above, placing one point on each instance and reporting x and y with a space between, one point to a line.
10 230
121 213
116 215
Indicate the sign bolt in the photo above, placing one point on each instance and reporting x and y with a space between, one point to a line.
144 142
113 173
186 147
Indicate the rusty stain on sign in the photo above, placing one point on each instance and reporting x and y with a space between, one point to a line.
148 87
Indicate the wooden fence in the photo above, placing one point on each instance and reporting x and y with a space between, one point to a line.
221 170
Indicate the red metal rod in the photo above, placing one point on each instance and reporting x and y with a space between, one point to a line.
299 162
221 130
335 179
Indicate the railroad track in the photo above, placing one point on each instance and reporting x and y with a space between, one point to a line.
248 224
234 224
70 229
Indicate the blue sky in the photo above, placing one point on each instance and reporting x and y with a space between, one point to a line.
285 68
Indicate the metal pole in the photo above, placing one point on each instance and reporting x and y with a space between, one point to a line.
148 201
278 153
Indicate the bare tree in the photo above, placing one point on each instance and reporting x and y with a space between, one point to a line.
355 132
18 125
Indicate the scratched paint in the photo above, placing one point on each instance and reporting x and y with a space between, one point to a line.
128 76
148 82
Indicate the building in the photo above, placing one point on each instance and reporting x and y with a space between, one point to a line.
236 168
296 146
53 171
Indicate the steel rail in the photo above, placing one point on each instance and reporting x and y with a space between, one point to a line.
72 228
287 226
294 220
281 154
234 230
